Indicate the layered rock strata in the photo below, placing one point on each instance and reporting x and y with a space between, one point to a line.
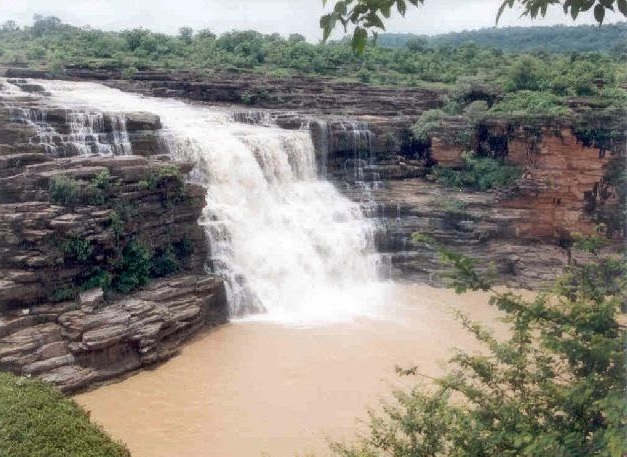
75 344
302 93
74 223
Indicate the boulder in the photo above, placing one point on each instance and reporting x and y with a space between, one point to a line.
142 121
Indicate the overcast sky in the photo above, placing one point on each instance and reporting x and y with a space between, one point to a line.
268 16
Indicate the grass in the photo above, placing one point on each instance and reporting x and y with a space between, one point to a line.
38 421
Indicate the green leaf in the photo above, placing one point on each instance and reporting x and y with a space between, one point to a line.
506 3
567 4
373 20
327 22
599 13
401 6
386 10
500 12
360 37
587 5
340 8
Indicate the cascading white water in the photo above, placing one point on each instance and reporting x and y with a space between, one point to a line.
87 130
286 241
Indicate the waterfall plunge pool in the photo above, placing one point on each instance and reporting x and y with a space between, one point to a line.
254 388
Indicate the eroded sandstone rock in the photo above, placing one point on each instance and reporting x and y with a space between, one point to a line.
64 225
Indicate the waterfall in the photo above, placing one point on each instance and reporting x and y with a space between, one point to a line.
321 137
64 132
289 245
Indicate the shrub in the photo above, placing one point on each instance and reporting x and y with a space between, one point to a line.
364 75
476 110
101 180
67 191
428 122
64 191
165 262
77 248
64 294
116 224
554 387
453 205
134 268
617 96
98 278
531 103
479 173
95 193
169 180
38 421
526 74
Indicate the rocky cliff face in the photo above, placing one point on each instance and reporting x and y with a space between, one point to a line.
571 171
305 94
571 184
72 225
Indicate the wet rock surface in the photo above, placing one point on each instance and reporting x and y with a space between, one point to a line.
67 215
73 345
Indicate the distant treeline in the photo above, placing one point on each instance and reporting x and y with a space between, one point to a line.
522 81
557 38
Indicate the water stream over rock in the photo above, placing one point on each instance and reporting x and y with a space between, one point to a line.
290 246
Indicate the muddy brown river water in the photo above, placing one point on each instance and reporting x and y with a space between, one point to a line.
264 389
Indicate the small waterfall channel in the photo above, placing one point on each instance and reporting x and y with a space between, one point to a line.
290 246
68 131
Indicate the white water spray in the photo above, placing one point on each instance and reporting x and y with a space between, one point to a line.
287 242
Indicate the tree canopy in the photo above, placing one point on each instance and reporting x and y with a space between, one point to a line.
557 38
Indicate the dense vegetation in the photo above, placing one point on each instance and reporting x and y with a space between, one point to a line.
611 38
55 46
131 263
38 421
481 173
554 387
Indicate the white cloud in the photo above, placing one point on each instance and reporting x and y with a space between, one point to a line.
268 16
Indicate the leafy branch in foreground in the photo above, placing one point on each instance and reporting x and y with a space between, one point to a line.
555 387
365 15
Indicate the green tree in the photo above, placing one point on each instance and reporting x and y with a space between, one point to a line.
9 26
44 24
205 34
526 74
296 38
417 44
186 34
